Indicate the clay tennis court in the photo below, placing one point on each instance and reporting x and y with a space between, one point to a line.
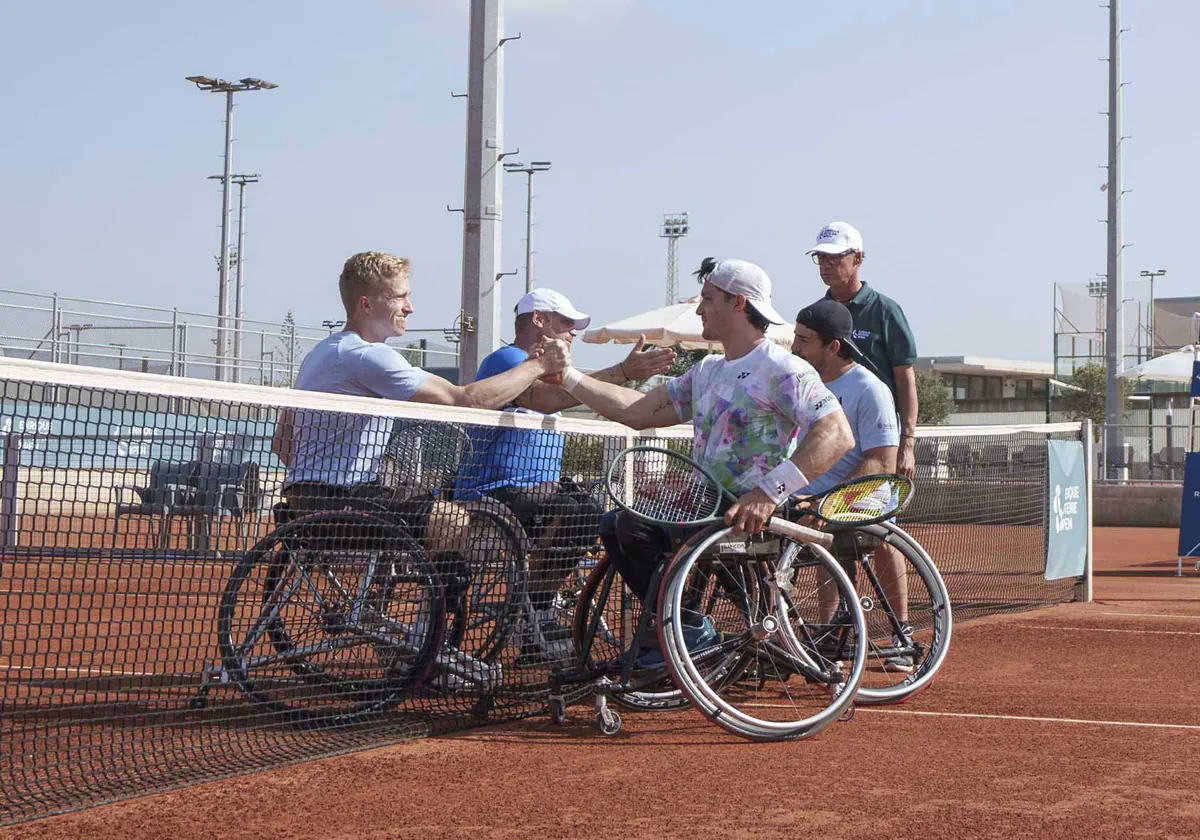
1080 720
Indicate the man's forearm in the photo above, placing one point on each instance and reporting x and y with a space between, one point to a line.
906 397
624 405
501 389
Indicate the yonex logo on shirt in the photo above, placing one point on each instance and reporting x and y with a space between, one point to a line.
743 374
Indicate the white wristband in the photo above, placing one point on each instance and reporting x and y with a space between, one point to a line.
570 378
782 482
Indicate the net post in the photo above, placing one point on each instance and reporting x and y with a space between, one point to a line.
10 516
1089 460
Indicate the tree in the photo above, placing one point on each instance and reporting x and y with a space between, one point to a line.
684 359
1088 403
934 401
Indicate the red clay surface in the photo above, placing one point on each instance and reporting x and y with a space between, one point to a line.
1076 721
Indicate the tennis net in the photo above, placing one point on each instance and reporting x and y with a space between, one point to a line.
186 593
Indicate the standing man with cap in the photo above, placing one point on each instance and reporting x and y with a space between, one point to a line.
824 339
880 329
763 423
522 468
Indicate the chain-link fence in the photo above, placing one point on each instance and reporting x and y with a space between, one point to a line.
122 336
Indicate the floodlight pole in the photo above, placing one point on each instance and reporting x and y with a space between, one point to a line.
674 227
529 170
239 287
479 319
1115 338
1150 275
208 83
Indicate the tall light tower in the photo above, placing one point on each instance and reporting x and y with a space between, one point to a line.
1150 275
1114 340
238 259
207 83
532 167
674 227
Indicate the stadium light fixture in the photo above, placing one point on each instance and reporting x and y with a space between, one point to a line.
214 85
529 169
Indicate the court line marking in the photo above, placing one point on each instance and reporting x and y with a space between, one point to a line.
1153 615
1114 630
1082 721
81 671
977 715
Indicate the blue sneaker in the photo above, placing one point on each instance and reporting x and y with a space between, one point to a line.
699 637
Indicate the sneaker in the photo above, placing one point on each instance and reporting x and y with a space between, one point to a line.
904 663
696 638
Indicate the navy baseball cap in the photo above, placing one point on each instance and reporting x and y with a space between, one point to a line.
830 320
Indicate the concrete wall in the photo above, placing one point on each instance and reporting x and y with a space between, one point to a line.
1140 505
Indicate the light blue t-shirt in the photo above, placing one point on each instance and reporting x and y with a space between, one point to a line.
345 449
867 403
508 457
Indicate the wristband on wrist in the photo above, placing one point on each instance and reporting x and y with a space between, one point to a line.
570 378
782 482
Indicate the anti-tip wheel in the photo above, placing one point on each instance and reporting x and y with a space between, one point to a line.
610 722
558 710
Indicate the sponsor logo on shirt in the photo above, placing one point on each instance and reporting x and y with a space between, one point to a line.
743 374
860 335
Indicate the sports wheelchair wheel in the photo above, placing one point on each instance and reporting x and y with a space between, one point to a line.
486 610
330 618
795 674
926 638
606 620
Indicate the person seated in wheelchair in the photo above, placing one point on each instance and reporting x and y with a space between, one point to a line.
763 423
333 459
824 339
522 468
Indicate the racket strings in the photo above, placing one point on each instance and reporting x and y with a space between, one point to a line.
661 487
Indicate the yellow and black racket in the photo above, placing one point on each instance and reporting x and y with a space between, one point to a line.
866 500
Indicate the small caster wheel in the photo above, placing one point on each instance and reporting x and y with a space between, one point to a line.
847 714
198 703
1198 565
610 722
558 710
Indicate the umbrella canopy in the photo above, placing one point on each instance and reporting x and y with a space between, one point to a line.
1173 367
676 325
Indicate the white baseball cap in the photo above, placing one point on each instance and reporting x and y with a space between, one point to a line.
739 277
838 238
548 300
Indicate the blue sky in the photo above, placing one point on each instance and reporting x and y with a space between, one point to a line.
962 138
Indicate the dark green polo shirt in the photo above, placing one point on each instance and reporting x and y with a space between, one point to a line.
882 333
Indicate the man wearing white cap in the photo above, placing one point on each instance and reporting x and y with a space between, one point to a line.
763 421
523 467
880 329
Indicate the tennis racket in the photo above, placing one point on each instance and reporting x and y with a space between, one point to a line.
668 488
866 500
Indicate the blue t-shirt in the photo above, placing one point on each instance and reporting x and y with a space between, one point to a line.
871 412
508 457
345 449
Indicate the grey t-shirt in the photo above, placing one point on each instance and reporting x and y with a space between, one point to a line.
871 412
345 449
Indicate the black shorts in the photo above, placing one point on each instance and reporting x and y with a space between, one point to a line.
313 497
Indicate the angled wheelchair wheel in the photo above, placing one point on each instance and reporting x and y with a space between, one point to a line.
907 642
605 622
485 612
332 617
797 657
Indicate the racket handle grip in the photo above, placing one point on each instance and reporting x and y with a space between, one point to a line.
799 532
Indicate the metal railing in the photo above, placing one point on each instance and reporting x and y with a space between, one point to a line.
1146 452
122 336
